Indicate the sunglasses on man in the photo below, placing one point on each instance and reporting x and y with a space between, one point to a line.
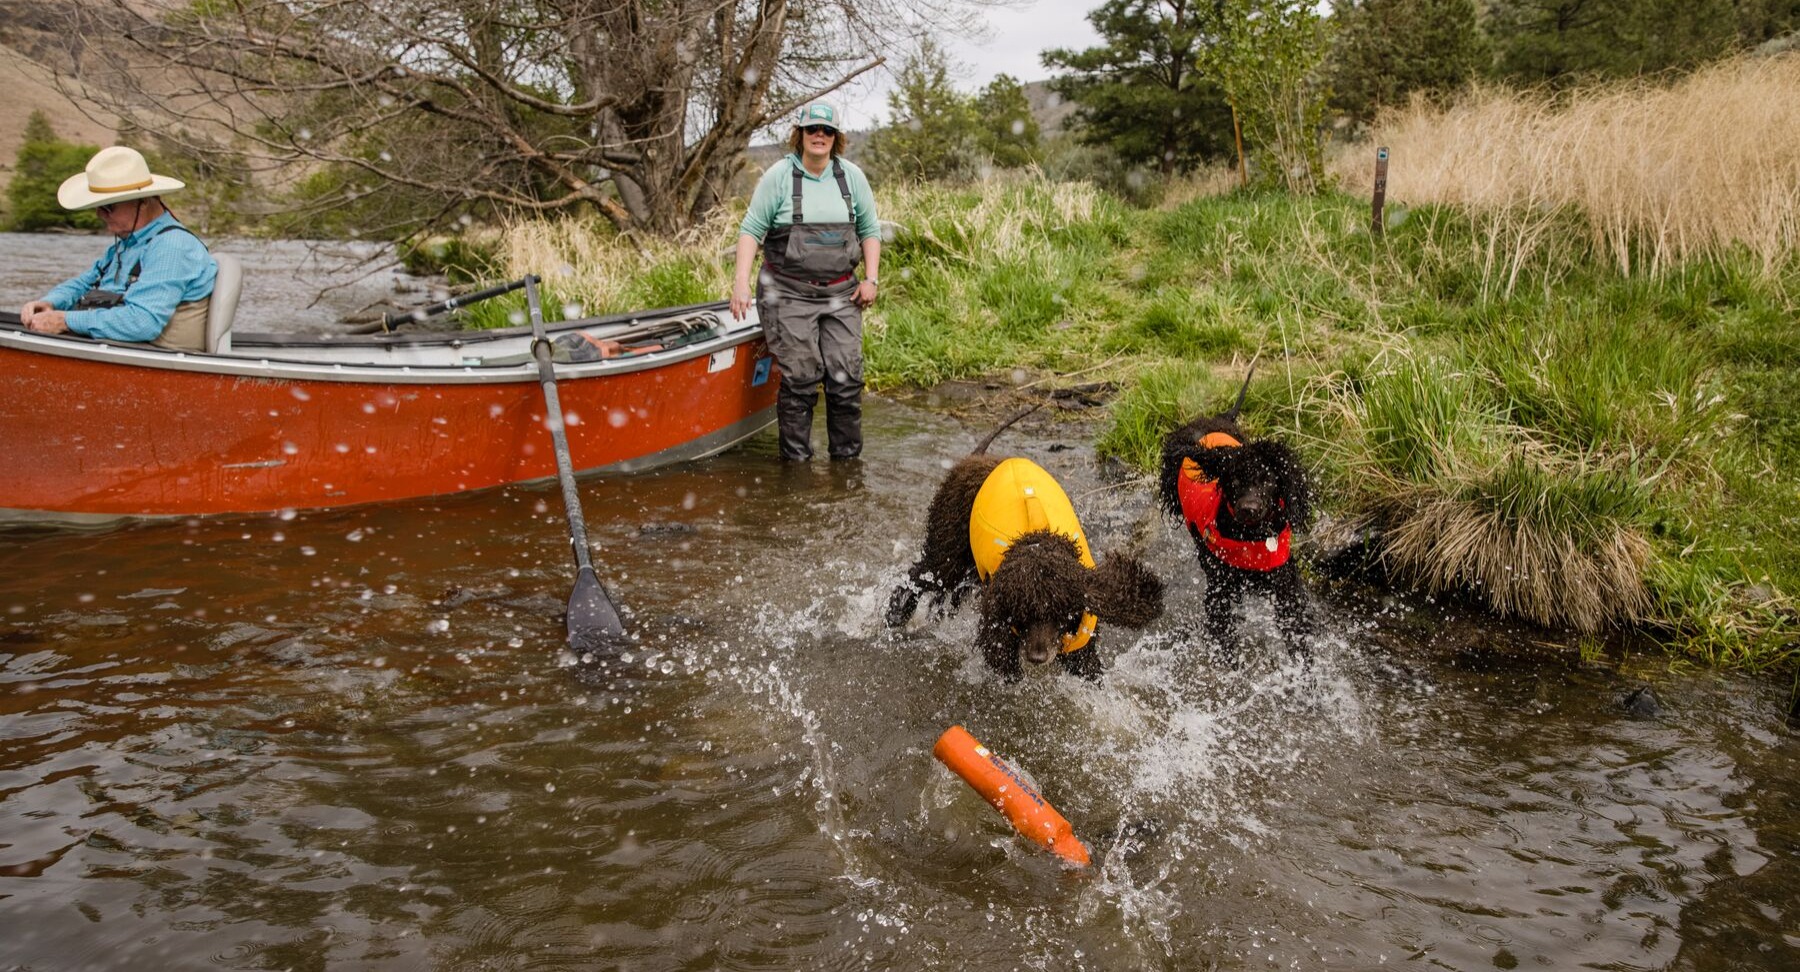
819 130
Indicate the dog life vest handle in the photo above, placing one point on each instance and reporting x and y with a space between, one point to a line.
1005 788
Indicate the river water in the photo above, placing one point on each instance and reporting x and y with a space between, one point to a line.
350 740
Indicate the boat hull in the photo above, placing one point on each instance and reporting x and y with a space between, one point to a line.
105 437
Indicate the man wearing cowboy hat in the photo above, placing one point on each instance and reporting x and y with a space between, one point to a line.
153 283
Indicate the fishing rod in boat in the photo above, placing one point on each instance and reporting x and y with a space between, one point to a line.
389 321
593 619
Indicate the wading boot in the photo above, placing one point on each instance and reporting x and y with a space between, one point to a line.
843 420
793 419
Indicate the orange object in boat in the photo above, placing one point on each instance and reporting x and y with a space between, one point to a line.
1004 787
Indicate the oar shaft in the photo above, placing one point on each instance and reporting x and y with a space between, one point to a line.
463 300
565 468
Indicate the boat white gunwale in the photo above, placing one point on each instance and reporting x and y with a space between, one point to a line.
240 364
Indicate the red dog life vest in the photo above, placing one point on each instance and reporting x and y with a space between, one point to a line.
1200 498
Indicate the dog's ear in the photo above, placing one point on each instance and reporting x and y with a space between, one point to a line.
1122 590
1179 446
1168 481
1294 490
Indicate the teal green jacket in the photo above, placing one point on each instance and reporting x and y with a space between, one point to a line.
772 204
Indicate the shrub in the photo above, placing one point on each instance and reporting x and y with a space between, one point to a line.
44 161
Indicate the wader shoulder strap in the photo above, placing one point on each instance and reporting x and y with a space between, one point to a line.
837 169
137 269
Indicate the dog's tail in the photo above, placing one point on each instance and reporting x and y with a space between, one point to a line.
978 450
1238 405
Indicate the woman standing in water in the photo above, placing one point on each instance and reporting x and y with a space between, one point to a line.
813 216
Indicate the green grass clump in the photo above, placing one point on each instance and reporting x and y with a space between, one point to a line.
1163 397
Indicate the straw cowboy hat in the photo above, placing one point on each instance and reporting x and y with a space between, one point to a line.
114 175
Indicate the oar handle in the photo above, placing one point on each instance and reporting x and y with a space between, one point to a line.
462 300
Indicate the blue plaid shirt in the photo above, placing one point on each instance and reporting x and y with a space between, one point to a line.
176 268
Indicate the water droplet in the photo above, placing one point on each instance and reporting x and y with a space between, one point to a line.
516 318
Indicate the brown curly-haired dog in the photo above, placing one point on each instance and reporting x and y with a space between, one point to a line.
1044 595
1241 499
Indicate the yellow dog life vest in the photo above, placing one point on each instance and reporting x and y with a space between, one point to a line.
1017 498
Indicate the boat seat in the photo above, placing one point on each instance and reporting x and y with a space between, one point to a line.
223 309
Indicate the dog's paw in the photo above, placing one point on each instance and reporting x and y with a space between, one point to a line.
901 605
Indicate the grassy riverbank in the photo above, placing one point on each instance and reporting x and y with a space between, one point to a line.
1570 404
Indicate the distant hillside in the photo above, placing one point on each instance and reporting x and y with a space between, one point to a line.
32 39
1048 107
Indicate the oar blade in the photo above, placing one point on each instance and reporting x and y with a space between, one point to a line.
593 618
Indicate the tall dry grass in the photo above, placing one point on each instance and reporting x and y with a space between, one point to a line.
1660 174
585 262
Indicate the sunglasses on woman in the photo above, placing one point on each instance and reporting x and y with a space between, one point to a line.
819 130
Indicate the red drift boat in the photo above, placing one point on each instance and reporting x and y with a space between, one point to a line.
268 422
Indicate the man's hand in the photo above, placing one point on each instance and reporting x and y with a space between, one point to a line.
44 319
865 293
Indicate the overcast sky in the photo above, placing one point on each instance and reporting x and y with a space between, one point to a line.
1017 36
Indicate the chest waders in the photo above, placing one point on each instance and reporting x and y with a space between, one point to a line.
186 328
806 298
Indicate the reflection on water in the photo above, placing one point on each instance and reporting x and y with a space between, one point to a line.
289 285
350 740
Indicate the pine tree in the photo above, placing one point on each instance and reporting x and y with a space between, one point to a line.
1388 49
1564 41
1140 93
1009 132
932 132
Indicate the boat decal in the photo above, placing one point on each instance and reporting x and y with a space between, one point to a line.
720 360
761 376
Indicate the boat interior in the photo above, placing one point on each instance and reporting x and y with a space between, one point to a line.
577 340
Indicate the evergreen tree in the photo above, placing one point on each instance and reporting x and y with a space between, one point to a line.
1388 49
1760 21
932 132
1139 93
1008 132
1564 41
44 161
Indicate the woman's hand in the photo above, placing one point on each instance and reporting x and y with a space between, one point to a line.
865 293
740 299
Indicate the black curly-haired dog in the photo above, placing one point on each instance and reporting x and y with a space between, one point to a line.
1241 499
1008 523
